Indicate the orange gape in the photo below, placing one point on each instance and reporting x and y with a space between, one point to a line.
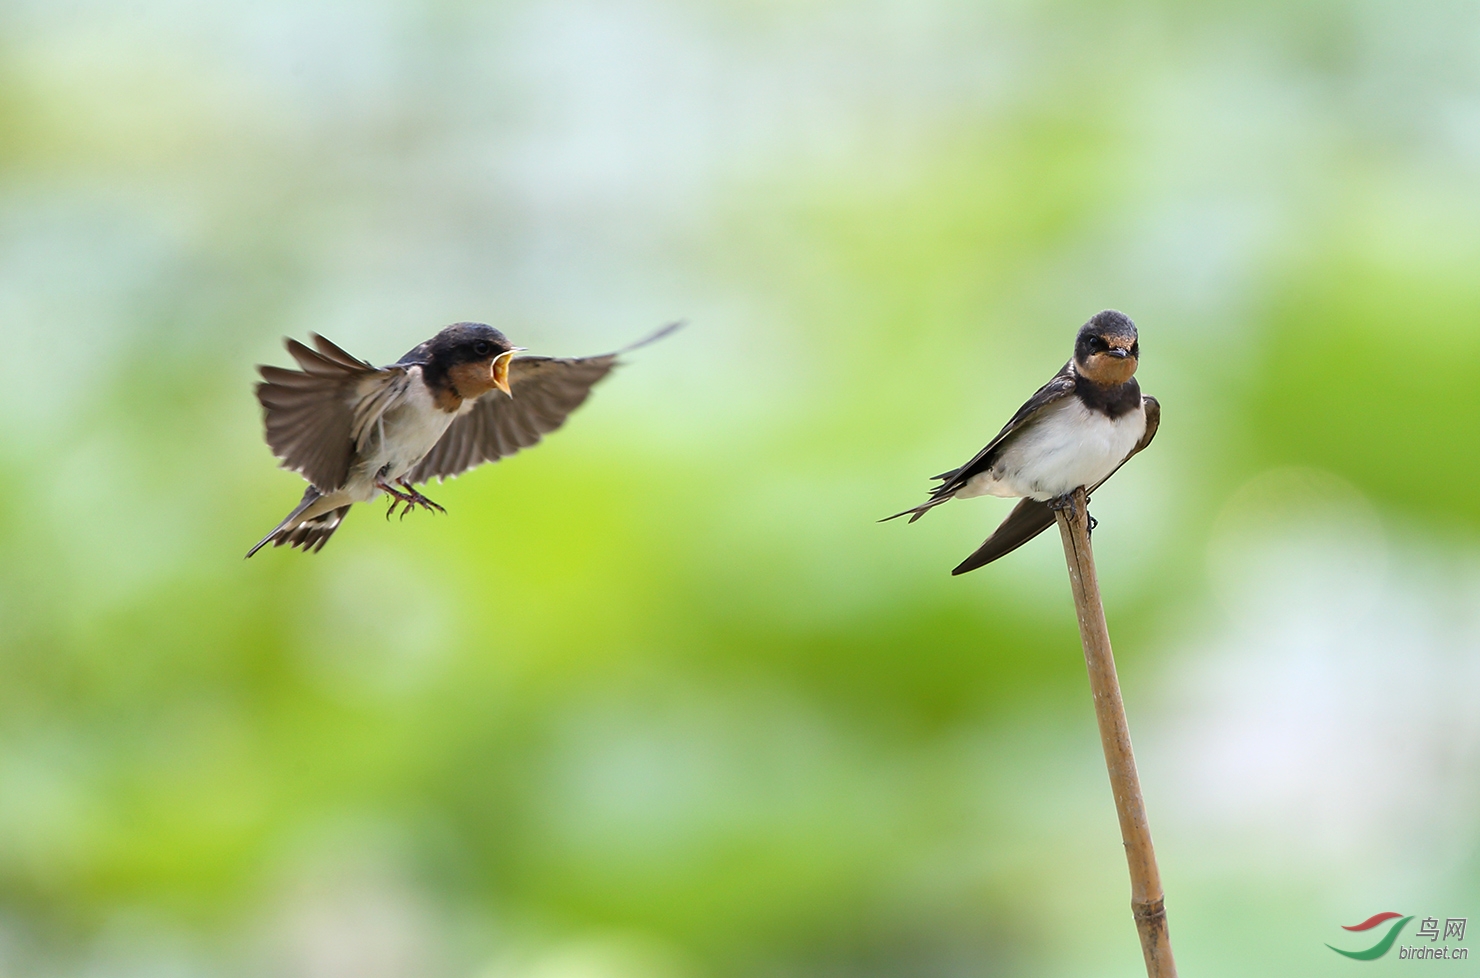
472 380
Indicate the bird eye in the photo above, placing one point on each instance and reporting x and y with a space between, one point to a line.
1098 344
1135 349
482 348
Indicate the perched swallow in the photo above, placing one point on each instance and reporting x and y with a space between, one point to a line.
463 397
1079 428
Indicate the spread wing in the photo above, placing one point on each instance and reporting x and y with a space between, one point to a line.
315 417
1060 387
1030 517
545 391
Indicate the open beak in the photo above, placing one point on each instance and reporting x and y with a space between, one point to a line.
499 371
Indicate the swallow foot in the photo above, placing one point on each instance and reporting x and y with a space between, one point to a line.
1066 503
1063 503
397 498
1090 526
418 498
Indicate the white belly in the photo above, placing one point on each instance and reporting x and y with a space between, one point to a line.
402 437
1071 446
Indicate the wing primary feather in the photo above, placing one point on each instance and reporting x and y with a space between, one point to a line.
654 337
1027 519
333 351
316 416
545 392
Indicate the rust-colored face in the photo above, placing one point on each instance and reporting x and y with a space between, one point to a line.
1107 355
1113 366
477 378
1106 350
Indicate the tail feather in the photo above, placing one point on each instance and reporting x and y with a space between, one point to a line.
311 534
1027 519
915 512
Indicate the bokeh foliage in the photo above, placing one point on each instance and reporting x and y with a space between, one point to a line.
660 697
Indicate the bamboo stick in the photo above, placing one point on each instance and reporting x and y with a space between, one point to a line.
1147 899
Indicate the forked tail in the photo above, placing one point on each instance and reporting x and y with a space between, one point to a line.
312 533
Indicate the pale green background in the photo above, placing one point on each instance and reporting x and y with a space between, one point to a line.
660 699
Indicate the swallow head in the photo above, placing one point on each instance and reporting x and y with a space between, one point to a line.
1107 349
466 360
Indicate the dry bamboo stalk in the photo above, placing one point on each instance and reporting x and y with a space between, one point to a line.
1146 897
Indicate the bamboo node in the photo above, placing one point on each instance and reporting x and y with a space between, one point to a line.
1148 912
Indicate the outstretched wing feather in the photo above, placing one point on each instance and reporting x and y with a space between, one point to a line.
332 351
310 415
546 390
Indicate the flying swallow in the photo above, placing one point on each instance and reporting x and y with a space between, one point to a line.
1077 430
463 397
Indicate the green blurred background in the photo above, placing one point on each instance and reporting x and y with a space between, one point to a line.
660 699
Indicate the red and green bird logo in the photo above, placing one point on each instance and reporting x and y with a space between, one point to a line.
1381 947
